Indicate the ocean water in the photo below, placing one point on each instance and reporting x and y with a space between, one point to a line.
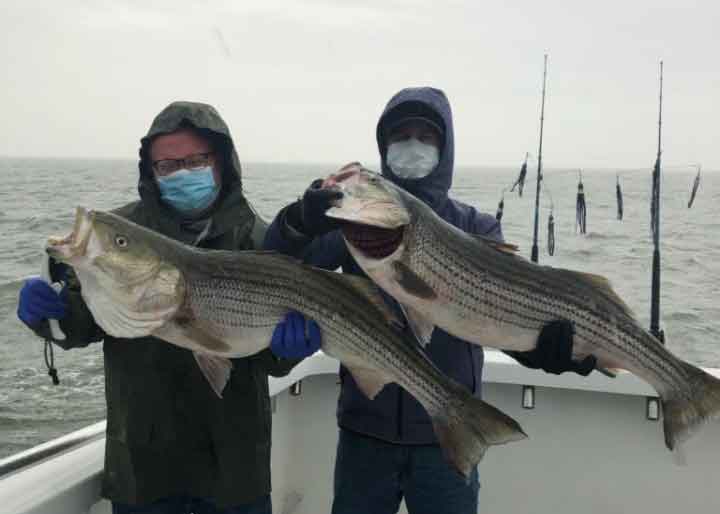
38 196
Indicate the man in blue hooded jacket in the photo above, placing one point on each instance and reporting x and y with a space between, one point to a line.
387 450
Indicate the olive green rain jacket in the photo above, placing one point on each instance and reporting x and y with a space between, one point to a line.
167 431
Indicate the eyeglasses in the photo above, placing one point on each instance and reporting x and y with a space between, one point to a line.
192 162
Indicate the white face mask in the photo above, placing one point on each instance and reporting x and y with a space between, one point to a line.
412 159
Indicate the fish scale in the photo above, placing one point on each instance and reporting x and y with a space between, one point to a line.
527 308
258 302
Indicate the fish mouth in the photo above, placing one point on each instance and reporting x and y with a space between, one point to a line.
74 244
381 215
365 199
373 242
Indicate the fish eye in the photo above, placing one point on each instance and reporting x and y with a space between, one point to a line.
121 241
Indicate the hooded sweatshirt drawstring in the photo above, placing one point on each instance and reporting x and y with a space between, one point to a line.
50 362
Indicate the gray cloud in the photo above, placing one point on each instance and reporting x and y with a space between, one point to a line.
301 80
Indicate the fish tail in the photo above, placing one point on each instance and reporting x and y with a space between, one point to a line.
468 426
684 412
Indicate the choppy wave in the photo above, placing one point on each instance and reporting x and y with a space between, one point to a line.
603 236
683 316
11 286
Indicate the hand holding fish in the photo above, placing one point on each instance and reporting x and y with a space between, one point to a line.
38 302
308 214
295 337
553 353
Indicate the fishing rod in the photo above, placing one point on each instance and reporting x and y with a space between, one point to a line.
534 254
655 224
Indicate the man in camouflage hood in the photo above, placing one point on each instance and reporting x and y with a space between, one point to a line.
172 445
387 450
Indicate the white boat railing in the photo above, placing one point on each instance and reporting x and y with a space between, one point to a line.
592 449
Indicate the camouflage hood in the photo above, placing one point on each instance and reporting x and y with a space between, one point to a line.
230 209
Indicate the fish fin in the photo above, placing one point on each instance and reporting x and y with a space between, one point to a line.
373 293
203 262
412 283
216 370
498 245
604 285
685 411
419 324
368 380
203 337
469 426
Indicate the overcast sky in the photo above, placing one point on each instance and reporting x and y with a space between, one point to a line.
305 80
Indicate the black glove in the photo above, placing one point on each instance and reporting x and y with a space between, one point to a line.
308 214
553 352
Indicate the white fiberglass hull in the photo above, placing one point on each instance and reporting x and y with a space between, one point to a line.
591 450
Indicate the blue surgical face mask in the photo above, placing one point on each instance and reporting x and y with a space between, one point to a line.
189 191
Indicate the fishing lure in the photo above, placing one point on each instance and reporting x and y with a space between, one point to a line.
696 185
520 182
500 208
580 208
551 235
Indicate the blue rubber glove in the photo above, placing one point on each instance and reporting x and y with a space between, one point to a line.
290 340
39 302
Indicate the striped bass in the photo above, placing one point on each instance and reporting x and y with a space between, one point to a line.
478 290
223 305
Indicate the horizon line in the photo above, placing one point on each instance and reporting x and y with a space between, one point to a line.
690 167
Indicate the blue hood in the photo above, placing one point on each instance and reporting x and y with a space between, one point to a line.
432 102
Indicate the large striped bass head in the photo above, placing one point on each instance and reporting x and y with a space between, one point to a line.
126 279
372 209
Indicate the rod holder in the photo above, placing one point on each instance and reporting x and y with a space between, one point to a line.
528 397
296 388
652 408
